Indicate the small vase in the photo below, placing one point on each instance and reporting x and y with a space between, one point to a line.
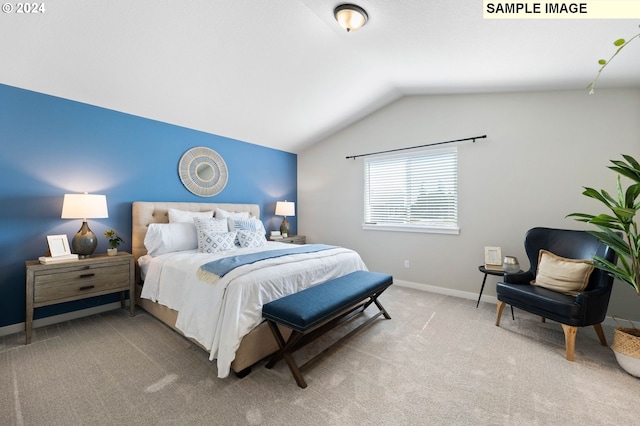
112 251
510 265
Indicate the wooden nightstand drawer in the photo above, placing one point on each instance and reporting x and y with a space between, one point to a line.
78 279
83 281
292 239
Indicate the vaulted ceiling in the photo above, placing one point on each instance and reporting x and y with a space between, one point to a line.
282 73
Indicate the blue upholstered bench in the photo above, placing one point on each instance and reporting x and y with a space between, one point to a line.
316 310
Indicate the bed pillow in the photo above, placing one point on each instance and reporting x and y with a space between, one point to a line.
568 276
251 224
211 225
169 237
176 215
248 239
213 236
223 214
216 242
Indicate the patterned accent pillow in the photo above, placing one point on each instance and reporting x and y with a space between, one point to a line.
249 239
211 225
251 224
213 236
216 242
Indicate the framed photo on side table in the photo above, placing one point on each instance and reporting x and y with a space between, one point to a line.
493 258
58 245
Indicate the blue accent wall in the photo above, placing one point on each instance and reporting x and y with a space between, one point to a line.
52 146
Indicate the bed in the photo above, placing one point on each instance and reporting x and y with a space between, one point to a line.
224 317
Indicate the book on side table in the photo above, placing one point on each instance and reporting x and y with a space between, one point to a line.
56 259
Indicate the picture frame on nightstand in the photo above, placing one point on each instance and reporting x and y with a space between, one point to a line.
58 245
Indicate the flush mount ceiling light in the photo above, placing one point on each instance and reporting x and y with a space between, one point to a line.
350 17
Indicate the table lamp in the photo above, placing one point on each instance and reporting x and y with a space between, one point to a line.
285 208
84 206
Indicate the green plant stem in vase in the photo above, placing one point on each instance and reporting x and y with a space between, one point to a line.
114 239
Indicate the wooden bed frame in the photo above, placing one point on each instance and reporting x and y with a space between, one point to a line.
256 345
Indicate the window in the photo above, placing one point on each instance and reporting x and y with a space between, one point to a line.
413 191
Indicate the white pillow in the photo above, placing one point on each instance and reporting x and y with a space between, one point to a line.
222 214
176 215
169 237
251 239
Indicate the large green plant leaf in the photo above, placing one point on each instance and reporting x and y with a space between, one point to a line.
618 228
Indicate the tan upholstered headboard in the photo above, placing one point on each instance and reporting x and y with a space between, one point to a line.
146 212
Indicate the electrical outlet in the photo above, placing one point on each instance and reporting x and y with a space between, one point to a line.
406 264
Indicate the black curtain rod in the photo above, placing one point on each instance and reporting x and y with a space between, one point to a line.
418 146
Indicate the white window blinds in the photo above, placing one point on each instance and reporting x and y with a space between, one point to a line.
414 191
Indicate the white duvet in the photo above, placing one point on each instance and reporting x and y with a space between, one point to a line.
219 315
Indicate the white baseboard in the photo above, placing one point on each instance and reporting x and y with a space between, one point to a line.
42 322
467 295
446 291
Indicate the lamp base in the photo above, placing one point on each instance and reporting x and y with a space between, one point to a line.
84 243
284 227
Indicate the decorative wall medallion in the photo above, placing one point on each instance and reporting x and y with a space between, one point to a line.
203 171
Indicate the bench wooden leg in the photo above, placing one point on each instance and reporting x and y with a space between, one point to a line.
382 309
299 339
285 352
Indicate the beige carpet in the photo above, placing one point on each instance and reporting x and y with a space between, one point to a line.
439 361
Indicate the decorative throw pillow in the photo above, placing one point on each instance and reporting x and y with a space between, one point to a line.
251 224
251 239
176 215
213 235
168 237
568 276
216 242
211 225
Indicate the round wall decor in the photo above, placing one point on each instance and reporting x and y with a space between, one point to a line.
203 171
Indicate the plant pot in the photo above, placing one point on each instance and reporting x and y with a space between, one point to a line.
112 252
626 347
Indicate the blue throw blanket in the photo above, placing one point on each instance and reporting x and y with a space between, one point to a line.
216 269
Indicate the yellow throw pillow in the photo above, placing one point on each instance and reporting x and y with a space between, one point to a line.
568 276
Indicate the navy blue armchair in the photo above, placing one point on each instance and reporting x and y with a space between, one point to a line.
589 307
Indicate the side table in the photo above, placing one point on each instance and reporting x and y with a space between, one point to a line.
77 279
486 272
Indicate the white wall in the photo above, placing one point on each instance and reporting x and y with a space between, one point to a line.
540 150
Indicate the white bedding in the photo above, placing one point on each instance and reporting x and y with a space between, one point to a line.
219 315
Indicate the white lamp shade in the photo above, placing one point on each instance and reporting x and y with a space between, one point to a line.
84 206
285 208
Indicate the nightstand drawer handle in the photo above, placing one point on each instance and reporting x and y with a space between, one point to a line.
87 287
87 275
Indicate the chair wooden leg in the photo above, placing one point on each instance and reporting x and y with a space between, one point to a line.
570 340
600 333
499 309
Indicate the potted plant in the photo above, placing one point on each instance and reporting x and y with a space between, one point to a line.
114 241
618 229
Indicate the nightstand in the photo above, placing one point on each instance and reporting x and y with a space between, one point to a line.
78 279
292 239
